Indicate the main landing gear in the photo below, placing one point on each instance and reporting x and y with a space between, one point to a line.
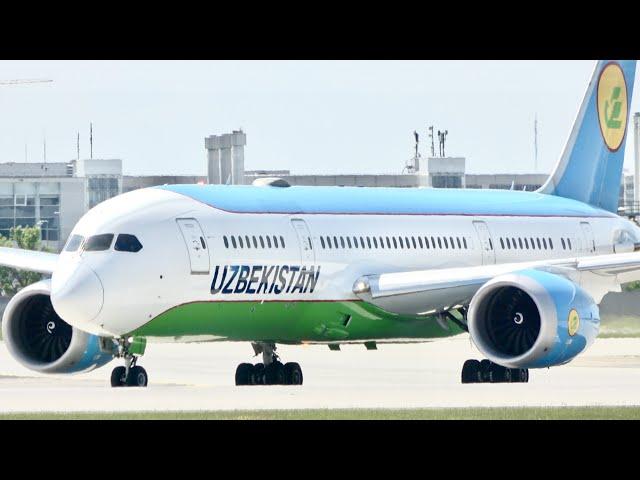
271 371
485 371
131 375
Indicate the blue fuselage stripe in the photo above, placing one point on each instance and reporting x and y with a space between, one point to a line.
384 201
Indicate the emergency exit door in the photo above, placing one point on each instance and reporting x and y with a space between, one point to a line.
486 243
307 254
590 241
196 245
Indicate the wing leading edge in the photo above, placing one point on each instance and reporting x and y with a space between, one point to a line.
425 292
32 260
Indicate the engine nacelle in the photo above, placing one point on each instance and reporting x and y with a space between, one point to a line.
532 319
40 340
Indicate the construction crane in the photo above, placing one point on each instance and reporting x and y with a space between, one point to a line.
24 80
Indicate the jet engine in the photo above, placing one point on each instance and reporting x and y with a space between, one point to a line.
532 319
40 340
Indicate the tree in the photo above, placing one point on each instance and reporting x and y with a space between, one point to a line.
13 280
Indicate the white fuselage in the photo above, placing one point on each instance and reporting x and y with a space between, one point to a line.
112 292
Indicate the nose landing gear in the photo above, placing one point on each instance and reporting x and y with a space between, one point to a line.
271 371
131 375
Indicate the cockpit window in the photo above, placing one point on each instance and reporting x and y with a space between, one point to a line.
98 242
73 243
127 243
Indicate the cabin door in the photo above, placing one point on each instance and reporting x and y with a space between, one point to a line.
486 243
196 245
307 254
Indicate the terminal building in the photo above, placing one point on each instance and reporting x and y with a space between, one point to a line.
54 196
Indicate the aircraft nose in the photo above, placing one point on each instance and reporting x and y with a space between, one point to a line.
77 295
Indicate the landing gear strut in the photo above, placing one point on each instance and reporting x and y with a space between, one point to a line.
131 375
485 371
271 371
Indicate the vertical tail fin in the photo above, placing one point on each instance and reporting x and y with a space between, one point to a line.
590 168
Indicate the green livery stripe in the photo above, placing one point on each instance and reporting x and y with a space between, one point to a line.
291 322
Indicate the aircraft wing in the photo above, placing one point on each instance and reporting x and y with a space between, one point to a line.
423 292
32 260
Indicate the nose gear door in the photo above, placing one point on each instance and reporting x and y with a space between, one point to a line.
196 245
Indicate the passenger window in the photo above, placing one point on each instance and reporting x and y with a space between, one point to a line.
335 242
520 243
451 242
544 243
381 242
526 243
255 242
226 242
129 243
349 242
268 241
515 245
342 241
375 242
275 241
322 243
446 244
564 246
240 241
282 242
550 243
539 244
508 244
73 243
395 244
369 242
329 242
261 242
458 239
401 242
439 243
388 242
233 241
98 242
362 242
464 242
569 243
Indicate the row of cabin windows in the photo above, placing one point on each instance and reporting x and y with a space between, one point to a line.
508 243
267 241
335 242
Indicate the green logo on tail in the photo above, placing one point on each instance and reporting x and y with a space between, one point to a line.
613 120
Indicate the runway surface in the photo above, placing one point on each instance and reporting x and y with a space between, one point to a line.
201 376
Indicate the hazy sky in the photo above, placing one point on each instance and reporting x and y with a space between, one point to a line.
309 117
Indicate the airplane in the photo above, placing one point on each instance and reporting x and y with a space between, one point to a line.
521 272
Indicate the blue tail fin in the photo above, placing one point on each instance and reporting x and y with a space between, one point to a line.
590 168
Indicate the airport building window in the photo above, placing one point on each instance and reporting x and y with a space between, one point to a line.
129 243
98 243
73 243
